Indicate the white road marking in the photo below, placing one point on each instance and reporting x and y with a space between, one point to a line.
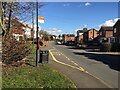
72 61
68 59
76 64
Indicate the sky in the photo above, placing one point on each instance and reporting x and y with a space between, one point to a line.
68 17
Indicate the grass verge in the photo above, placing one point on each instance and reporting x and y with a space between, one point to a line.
27 76
33 48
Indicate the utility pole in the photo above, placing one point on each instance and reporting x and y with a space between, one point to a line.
32 31
37 31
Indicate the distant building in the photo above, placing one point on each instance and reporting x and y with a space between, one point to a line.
105 34
68 37
92 34
86 35
81 38
81 35
116 32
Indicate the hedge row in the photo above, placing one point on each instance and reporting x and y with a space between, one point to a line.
13 50
107 47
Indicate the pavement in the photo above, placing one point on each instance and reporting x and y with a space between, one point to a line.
78 75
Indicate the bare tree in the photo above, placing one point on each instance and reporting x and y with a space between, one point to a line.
3 17
10 16
22 10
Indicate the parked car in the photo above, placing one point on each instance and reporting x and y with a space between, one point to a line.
70 43
59 42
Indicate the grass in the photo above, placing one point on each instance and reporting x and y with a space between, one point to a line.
28 76
33 47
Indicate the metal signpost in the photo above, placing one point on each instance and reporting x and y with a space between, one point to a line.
39 19
37 31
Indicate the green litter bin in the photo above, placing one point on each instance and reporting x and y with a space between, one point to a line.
44 56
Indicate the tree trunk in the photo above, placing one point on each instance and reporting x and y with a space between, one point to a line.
10 16
3 17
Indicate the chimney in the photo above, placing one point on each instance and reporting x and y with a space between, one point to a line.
84 28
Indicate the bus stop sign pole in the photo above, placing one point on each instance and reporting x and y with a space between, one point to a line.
37 32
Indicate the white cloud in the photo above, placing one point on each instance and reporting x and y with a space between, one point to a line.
85 25
87 4
66 5
109 22
54 31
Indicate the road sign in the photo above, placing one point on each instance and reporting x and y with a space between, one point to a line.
40 19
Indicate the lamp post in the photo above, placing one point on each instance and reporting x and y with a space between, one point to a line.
37 31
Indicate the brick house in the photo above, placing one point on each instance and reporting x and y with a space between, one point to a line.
68 37
18 29
116 32
64 38
106 34
81 38
92 34
71 37
81 35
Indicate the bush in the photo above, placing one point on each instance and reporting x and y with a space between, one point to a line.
13 50
115 47
106 47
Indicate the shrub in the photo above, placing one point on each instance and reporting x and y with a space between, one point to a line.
106 47
115 47
13 50
118 47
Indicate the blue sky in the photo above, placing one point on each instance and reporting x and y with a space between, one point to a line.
66 17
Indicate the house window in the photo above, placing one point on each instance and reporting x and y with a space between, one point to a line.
114 30
112 39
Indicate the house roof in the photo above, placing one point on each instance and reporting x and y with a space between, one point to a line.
106 28
93 29
82 31
70 35
16 22
117 23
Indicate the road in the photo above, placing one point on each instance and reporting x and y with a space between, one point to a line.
101 66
